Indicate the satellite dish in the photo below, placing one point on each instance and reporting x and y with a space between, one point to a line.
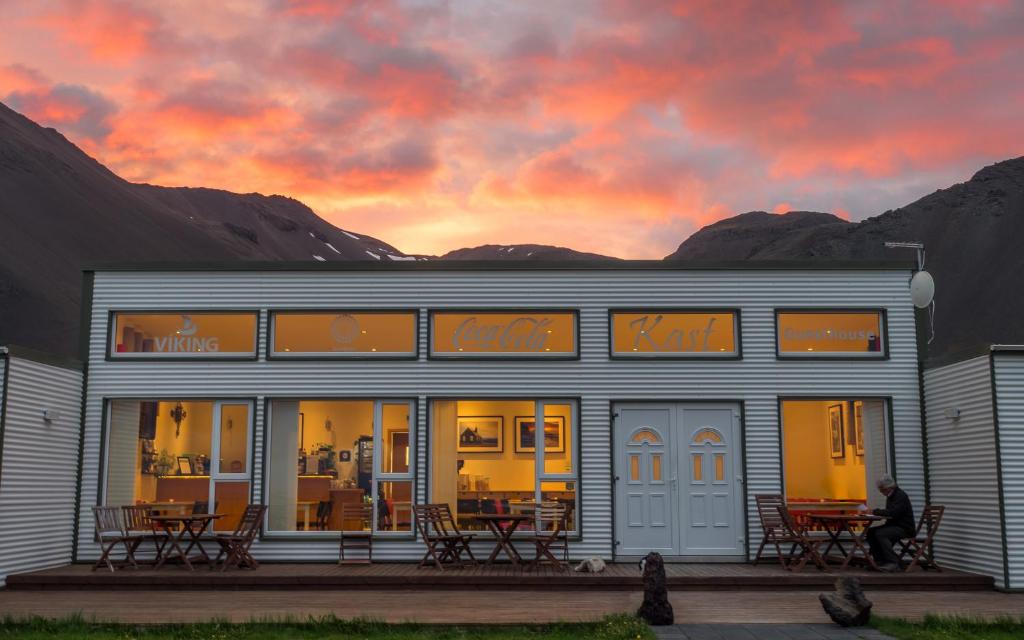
922 289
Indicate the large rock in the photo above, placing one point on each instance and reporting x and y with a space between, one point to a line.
847 605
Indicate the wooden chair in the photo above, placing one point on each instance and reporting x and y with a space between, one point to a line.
804 546
920 546
138 521
551 536
445 543
324 508
360 539
234 547
110 532
771 522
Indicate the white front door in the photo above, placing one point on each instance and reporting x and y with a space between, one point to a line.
679 484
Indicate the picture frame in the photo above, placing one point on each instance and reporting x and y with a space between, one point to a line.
185 465
858 428
526 433
837 445
480 434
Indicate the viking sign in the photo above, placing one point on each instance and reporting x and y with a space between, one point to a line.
674 334
512 334
185 334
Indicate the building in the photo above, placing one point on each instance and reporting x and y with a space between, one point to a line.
670 396
40 418
975 416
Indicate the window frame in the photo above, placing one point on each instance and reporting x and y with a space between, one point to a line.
265 469
737 334
432 355
273 354
149 356
854 356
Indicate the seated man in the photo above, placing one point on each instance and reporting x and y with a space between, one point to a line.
899 523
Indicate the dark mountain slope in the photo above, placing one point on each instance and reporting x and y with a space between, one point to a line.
521 252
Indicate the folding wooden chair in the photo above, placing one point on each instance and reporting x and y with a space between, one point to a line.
552 526
804 546
361 539
445 543
234 547
771 522
920 546
110 532
138 522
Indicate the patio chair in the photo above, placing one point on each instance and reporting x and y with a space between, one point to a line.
920 546
771 522
445 543
234 547
359 539
138 521
111 532
803 547
324 508
552 527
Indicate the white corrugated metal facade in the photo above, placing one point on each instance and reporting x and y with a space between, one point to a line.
38 463
1008 366
961 471
757 381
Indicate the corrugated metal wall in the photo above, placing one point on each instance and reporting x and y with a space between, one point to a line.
961 466
1009 376
39 467
757 381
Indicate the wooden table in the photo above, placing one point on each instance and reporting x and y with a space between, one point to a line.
186 525
503 535
838 524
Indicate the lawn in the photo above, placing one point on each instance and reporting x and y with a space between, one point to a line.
951 628
612 628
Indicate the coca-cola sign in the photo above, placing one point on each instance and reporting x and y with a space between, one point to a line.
511 333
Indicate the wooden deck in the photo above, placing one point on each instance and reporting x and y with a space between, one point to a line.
621 577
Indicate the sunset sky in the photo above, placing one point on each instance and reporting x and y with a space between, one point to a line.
614 127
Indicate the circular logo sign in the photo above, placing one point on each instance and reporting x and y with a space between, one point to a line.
344 329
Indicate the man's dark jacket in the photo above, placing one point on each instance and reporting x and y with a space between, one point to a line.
898 511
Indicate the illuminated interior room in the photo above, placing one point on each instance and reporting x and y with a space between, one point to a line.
484 459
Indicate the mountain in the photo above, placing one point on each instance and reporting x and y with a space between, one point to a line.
60 210
521 252
973 233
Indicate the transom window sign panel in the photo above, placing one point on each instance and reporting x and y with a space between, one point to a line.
503 334
184 334
339 334
674 334
848 334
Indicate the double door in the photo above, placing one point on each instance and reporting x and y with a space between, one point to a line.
679 480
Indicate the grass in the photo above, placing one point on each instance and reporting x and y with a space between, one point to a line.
620 627
952 628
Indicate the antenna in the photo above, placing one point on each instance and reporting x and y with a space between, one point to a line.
922 285
910 245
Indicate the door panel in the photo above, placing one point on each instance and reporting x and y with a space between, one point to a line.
709 438
643 436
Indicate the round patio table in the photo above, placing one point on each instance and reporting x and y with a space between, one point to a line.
836 524
503 534
189 529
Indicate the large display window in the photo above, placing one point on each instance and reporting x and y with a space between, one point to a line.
343 334
180 456
661 333
325 454
503 334
206 334
827 333
486 457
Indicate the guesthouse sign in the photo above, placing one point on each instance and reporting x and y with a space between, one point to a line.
512 334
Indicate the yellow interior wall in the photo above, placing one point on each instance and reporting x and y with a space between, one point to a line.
810 471
349 420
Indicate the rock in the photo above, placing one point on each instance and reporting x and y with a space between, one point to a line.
847 606
656 609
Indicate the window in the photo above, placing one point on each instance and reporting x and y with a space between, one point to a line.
833 452
180 457
513 334
674 334
205 334
487 457
349 452
339 334
847 334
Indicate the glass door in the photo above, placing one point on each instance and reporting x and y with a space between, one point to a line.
230 462
393 490
555 441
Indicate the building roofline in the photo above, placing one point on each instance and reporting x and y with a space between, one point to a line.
42 357
971 353
514 265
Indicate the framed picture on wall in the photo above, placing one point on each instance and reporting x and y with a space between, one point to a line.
858 428
184 465
526 434
480 434
835 426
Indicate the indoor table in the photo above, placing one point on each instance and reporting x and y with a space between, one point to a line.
184 528
503 534
835 525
